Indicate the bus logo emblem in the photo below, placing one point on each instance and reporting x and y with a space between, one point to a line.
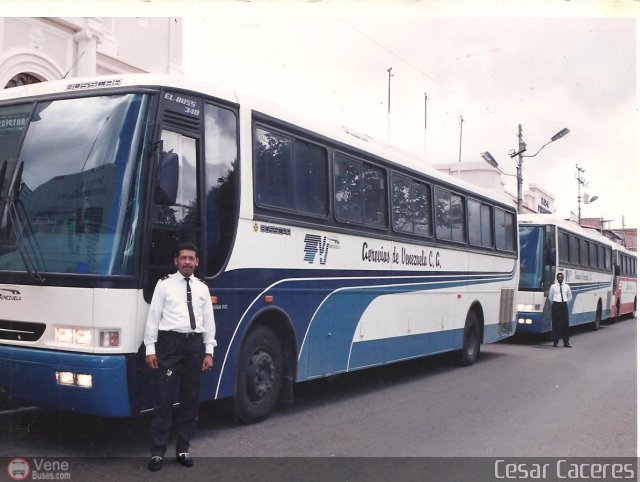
10 294
318 245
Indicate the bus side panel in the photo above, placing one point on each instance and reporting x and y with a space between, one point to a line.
584 305
627 295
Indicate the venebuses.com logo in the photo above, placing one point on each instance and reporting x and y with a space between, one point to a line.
38 469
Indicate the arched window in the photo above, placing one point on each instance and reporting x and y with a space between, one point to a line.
22 79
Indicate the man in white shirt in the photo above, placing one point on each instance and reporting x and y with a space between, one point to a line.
560 295
179 338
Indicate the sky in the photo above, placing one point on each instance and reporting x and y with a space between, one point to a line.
496 65
542 64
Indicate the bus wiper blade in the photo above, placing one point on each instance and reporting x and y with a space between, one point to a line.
3 198
3 174
11 215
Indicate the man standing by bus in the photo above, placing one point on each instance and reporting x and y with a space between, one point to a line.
179 339
560 295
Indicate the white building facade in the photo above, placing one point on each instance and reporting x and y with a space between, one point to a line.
49 48
534 200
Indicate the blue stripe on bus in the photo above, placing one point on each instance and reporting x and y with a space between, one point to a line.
300 298
367 353
31 374
340 315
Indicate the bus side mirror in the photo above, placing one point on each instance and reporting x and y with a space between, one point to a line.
166 179
617 269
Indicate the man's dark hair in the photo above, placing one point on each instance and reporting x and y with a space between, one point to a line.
188 246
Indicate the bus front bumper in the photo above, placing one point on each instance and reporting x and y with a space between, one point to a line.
531 322
67 381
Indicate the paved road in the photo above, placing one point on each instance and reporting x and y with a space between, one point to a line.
522 398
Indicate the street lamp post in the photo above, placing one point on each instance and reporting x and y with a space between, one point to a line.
587 199
520 154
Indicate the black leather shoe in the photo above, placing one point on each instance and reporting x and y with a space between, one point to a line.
568 345
155 463
185 459
555 345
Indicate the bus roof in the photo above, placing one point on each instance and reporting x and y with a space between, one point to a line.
591 233
341 134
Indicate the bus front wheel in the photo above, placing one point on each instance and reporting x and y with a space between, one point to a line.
471 340
596 323
259 375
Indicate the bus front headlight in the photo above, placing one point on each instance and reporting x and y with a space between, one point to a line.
73 336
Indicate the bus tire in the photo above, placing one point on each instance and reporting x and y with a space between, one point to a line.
470 341
259 375
596 323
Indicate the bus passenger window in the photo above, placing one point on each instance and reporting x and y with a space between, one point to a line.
479 219
347 191
421 195
374 197
563 247
273 169
443 214
311 180
411 206
504 228
401 205
458 230
450 217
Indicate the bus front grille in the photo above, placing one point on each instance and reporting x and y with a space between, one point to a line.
21 330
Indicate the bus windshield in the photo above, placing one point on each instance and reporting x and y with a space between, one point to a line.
531 257
69 189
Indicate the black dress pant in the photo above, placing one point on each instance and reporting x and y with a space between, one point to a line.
560 322
179 362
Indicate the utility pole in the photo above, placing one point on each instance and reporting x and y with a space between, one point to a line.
425 125
521 148
460 151
389 106
581 182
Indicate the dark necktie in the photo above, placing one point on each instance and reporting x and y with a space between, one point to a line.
561 294
192 317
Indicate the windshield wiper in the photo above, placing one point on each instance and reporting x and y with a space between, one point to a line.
11 215
3 174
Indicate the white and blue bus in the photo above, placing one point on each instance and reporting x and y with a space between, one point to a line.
549 245
625 283
324 251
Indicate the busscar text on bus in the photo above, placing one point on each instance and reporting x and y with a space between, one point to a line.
324 251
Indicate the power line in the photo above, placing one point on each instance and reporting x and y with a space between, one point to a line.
479 109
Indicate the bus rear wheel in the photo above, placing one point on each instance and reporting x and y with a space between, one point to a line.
618 317
471 341
259 375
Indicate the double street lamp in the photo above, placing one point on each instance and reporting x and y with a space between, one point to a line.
522 147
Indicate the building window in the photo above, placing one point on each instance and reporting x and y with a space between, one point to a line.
22 79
